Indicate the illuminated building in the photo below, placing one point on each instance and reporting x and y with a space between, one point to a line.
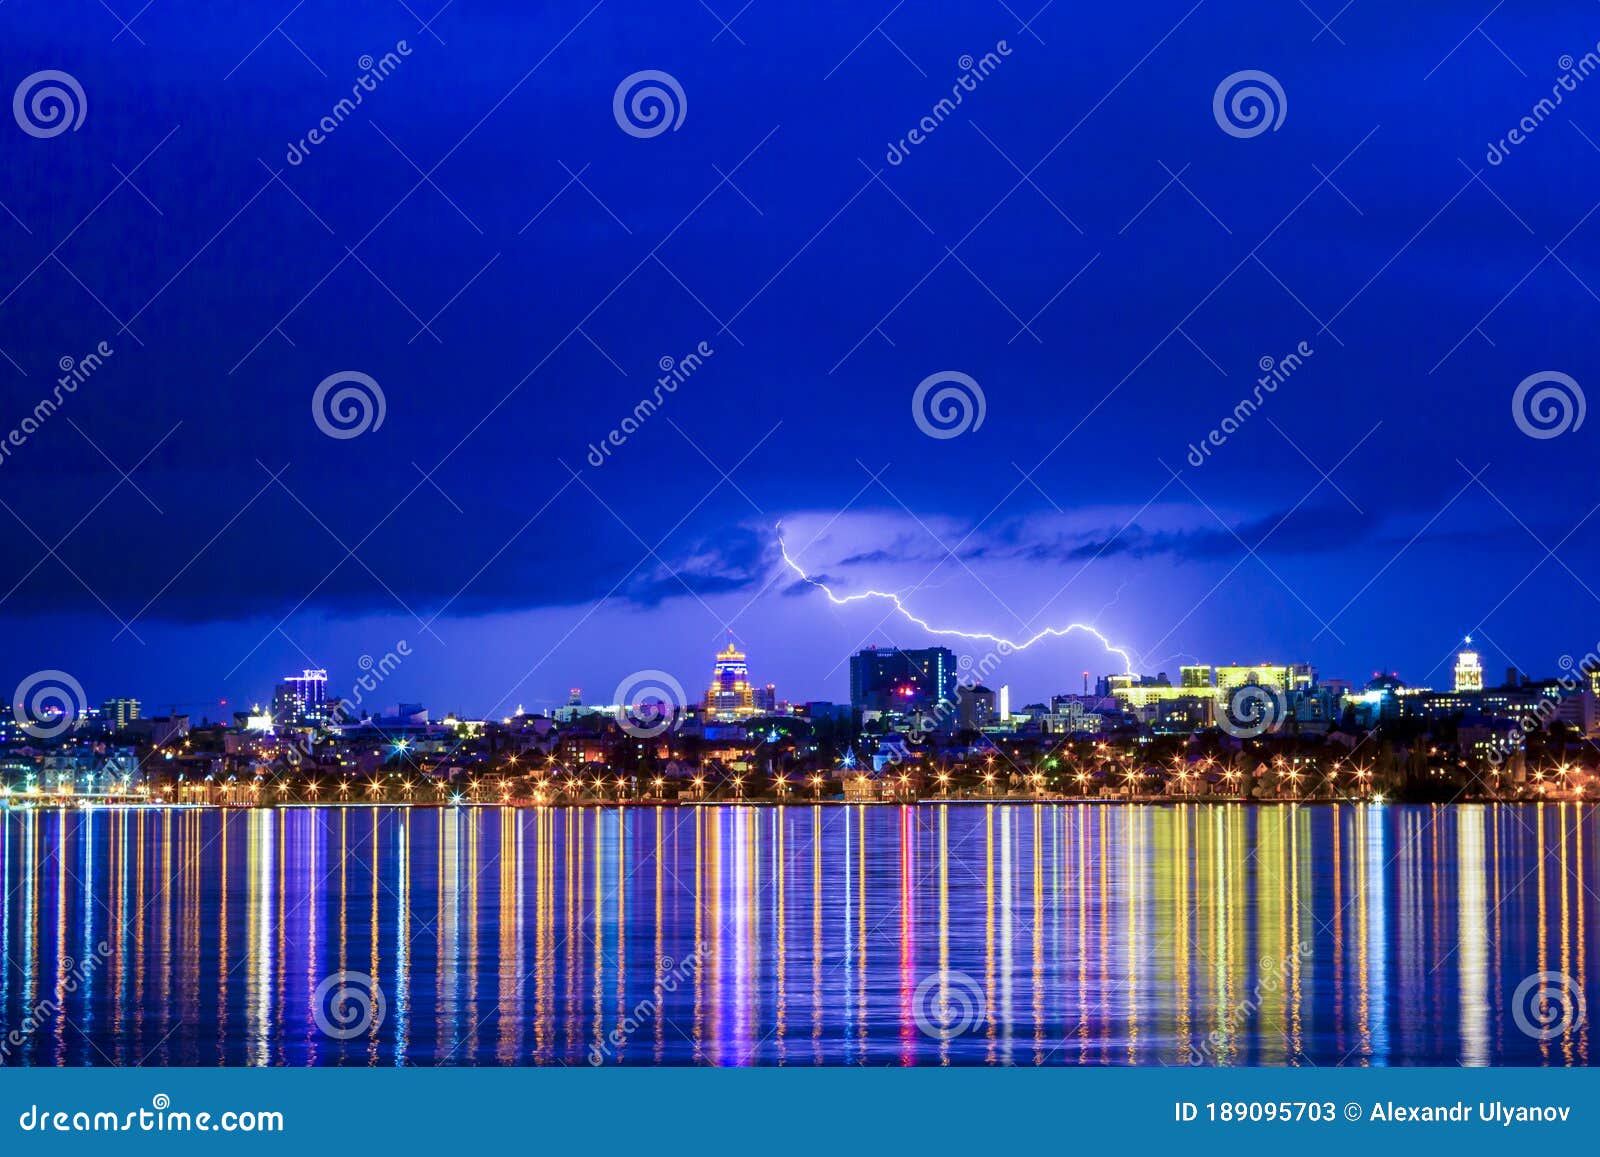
1199 676
1469 670
118 713
902 681
730 695
301 699
1285 676
976 707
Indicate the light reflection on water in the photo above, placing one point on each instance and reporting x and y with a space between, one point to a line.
960 934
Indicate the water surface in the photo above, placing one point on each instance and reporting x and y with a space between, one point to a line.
961 934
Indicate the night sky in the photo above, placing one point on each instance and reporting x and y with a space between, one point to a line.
1080 236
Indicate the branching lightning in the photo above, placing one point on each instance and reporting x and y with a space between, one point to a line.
984 636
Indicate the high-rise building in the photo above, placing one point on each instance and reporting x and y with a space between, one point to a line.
301 700
1469 669
730 695
976 707
902 681
767 698
118 713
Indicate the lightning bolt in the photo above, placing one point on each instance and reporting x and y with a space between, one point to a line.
905 612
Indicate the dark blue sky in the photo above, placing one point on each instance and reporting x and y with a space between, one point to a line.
514 307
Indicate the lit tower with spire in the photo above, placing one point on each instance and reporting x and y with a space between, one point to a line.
1469 669
730 696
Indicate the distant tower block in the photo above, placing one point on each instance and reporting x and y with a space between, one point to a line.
730 696
1469 669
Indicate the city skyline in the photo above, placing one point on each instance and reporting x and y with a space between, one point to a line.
735 694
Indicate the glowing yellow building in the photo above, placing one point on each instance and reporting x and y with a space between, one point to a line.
1469 669
730 695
